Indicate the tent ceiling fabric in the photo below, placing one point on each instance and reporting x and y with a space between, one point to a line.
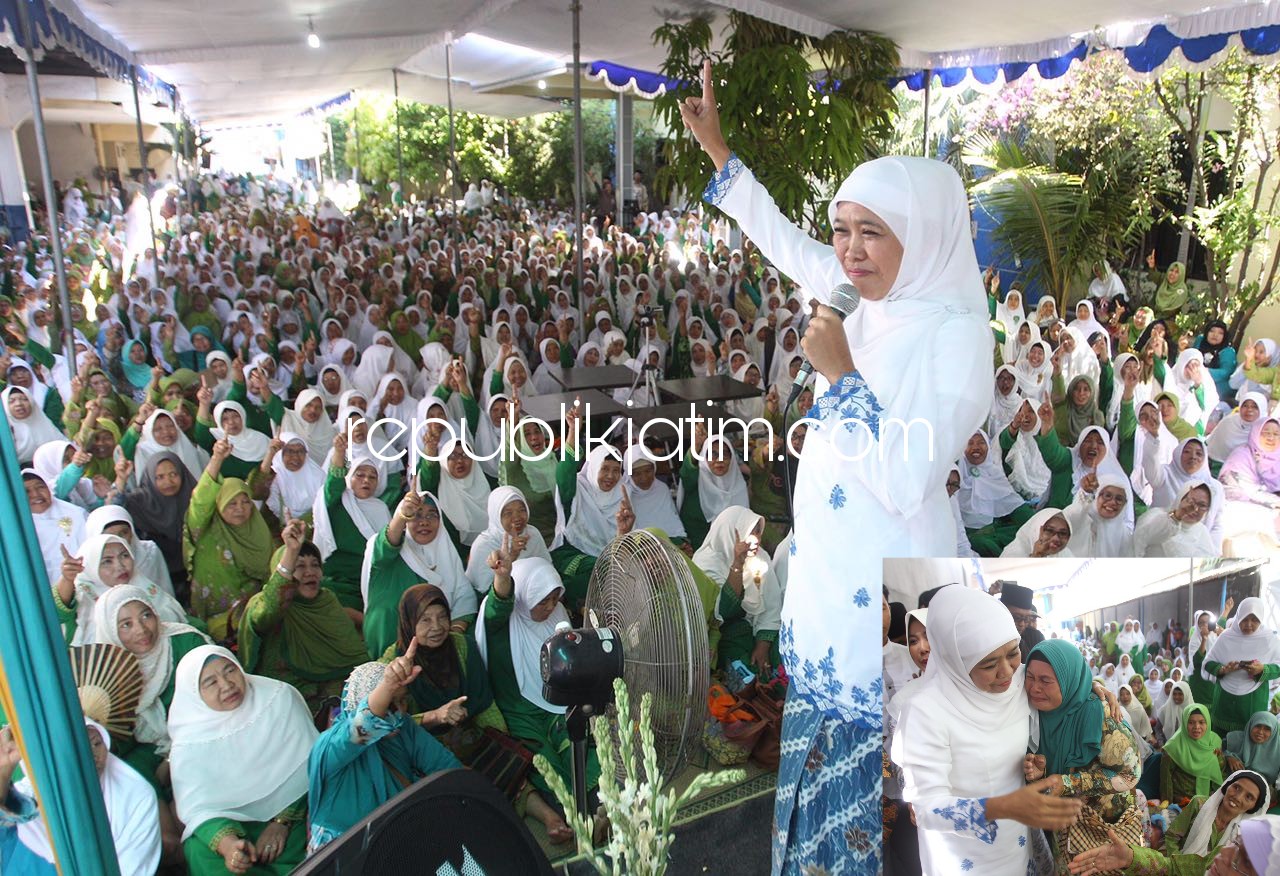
237 60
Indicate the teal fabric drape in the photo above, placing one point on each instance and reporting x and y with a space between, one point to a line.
37 693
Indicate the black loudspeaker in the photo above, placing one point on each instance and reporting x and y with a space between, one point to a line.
451 822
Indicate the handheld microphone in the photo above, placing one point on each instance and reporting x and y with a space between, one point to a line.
844 300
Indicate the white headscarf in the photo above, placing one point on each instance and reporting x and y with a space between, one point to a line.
464 501
33 430
1177 383
1089 324
250 445
533 579
1003 407
133 814
653 507
268 739
1194 646
90 587
1141 392
1171 712
156 665
193 458
318 436
985 492
1106 465
717 492
148 560
1232 431
1025 541
436 562
1199 839
1035 382
1234 646
1012 317
1091 535
1157 534
478 571
761 592
295 490
369 515
592 519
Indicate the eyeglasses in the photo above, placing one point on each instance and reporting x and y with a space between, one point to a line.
1056 533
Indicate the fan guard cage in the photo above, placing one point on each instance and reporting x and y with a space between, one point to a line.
642 589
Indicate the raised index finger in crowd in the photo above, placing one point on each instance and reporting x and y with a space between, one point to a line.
708 87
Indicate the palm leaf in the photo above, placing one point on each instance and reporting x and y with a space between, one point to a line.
1037 212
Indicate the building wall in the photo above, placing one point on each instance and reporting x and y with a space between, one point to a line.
72 152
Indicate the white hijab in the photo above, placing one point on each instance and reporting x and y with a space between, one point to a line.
133 814
533 579
156 665
268 739
985 492
318 436
717 492
1089 324
1234 646
369 515
33 430
436 562
653 507
1171 713
294 490
90 587
761 592
1025 541
1003 407
1091 535
250 445
592 520
1034 382
194 458
1232 431
1107 465
464 501
1157 534
1177 383
1199 838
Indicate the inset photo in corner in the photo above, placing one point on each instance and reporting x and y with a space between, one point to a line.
1079 716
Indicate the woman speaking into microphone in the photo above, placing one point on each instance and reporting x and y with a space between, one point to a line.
905 382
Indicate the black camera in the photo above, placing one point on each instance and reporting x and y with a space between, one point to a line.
644 315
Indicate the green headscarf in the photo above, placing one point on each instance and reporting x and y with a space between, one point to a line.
1181 429
408 340
1142 696
320 641
1264 758
1070 735
1196 757
250 543
1070 419
1171 297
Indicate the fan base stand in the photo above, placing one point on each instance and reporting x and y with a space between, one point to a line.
577 721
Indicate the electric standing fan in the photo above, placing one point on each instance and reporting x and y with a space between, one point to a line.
642 591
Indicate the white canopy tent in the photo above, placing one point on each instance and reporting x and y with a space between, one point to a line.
244 61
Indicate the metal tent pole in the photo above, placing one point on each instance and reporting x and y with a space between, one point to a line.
924 144
395 79
355 120
577 145
142 157
50 195
448 89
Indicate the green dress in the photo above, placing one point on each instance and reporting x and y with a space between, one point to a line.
1232 711
1058 460
227 564
142 756
342 568
696 525
536 479
574 565
1173 861
541 731
312 644
389 577
201 847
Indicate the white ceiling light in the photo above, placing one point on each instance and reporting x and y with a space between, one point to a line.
313 39
542 85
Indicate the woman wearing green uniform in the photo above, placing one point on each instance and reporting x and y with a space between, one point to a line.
534 478
1245 659
294 630
518 615
127 618
227 545
1192 762
350 510
411 549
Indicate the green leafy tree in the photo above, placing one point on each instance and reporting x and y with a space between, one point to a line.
799 109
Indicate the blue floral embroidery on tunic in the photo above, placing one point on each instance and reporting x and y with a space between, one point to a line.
966 864
862 598
969 816
723 180
820 686
1022 841
853 401
837 499
793 547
